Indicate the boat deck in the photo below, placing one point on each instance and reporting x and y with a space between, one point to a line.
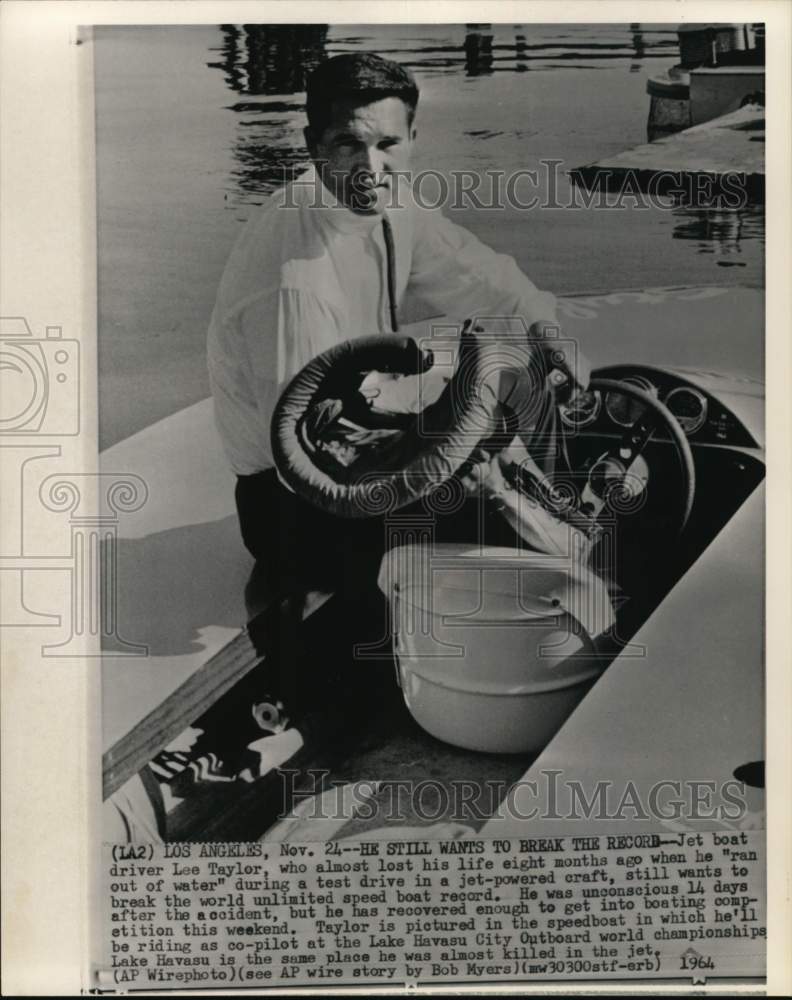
731 144
182 573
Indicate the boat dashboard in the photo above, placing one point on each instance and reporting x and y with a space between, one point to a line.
711 409
721 418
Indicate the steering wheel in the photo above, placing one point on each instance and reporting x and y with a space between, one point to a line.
633 443
435 445
432 447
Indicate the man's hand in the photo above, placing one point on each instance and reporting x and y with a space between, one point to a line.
567 366
476 471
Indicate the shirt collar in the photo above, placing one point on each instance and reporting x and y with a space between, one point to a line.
328 211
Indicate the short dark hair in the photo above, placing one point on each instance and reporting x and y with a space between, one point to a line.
360 76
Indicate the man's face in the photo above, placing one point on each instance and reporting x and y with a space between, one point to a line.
361 152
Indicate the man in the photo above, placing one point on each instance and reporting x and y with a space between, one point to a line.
330 257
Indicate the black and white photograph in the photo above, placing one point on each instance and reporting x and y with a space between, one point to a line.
421 564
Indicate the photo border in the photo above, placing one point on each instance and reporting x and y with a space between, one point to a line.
51 776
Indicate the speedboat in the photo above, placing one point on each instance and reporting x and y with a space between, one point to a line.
664 673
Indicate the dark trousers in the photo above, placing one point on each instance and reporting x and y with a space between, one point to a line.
298 547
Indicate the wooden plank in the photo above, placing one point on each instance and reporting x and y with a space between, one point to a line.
181 708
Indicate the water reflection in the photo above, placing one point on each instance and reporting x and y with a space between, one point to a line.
264 167
485 52
722 232
270 58
639 47
282 56
231 61
258 61
491 48
478 50
520 48
267 59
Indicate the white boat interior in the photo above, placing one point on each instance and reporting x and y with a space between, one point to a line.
682 700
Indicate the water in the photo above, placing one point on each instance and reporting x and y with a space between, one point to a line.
196 125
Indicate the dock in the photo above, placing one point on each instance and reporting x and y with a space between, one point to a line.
724 148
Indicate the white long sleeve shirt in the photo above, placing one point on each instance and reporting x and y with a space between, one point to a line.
305 276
